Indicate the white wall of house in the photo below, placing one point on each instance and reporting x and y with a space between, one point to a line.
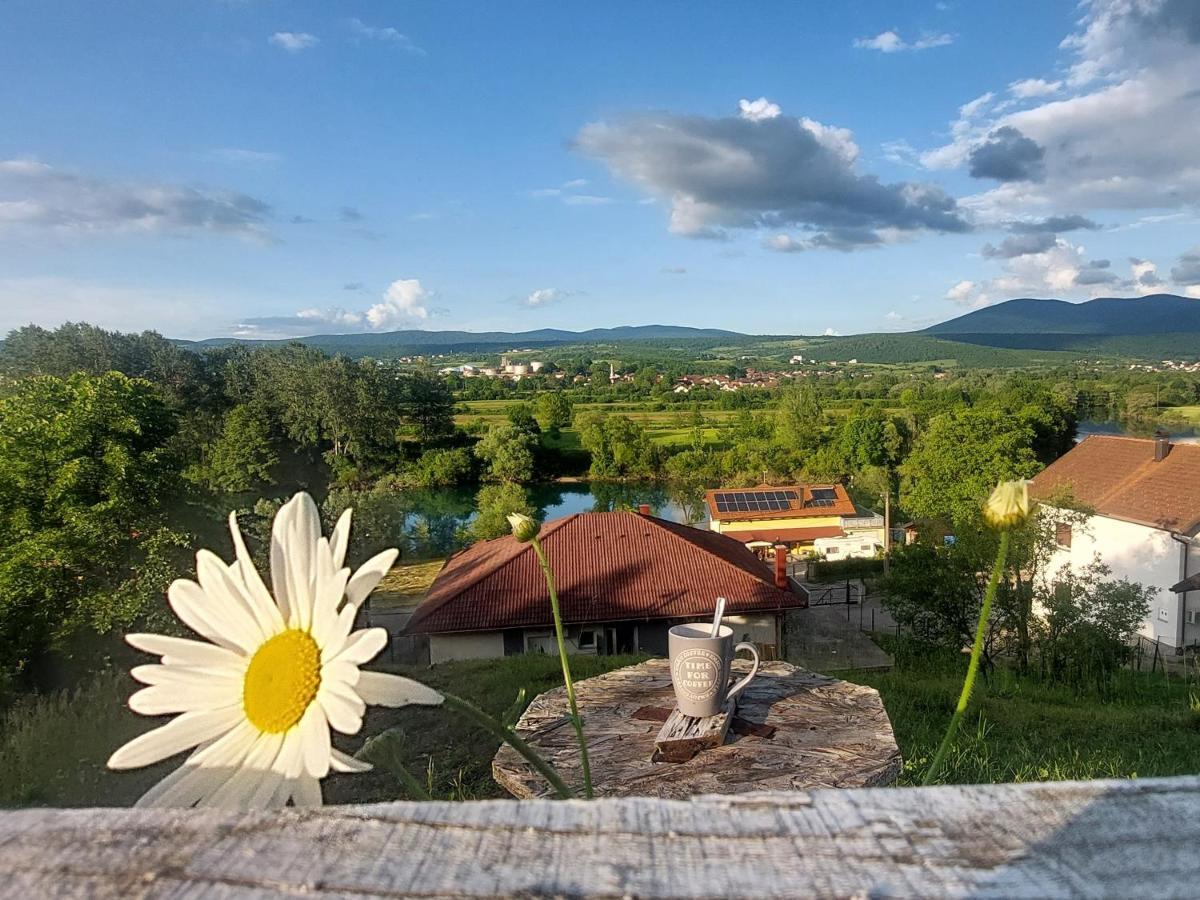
1148 556
473 645
1191 600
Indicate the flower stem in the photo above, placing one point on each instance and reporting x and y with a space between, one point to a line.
576 721
973 667
511 738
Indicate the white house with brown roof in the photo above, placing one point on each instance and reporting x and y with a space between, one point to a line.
1145 494
623 579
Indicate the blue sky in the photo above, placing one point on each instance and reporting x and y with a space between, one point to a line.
264 167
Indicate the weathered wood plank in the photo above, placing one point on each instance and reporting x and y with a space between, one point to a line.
682 737
1101 838
828 733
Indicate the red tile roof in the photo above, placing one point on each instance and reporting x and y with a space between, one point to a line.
1118 478
800 508
787 534
608 566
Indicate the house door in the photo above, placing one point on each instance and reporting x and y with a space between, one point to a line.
620 638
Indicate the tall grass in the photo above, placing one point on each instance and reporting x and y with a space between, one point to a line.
53 748
1019 728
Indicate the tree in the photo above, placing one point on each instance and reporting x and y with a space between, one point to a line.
799 419
243 454
960 457
495 502
428 409
521 415
553 411
508 452
84 477
619 447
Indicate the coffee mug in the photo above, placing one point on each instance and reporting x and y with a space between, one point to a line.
700 666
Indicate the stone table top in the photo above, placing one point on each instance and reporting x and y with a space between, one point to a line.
828 733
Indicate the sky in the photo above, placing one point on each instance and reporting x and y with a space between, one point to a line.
270 168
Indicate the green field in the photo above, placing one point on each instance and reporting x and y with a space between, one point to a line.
52 749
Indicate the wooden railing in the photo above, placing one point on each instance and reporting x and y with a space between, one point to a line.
1099 838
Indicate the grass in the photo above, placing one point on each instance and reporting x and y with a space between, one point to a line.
406 584
1020 729
53 749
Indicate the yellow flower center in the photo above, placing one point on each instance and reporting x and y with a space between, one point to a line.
281 681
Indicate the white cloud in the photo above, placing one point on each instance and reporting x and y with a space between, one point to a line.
893 316
1034 87
961 292
385 34
891 42
575 183
545 297
403 301
830 332
34 195
1119 132
758 110
568 193
585 200
293 41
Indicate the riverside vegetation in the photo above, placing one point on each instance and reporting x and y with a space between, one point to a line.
119 453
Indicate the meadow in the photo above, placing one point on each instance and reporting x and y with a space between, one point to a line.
53 748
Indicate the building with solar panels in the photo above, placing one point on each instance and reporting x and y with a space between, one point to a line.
811 520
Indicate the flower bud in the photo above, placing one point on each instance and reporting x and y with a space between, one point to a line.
1008 506
524 529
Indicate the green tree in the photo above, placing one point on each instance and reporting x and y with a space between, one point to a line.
84 477
494 503
243 455
960 457
508 452
554 410
799 418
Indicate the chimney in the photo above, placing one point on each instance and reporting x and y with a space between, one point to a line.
781 574
1162 445
644 509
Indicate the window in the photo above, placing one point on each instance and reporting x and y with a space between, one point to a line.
833 551
587 638
1062 535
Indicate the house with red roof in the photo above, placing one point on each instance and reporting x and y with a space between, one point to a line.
811 519
1144 499
623 580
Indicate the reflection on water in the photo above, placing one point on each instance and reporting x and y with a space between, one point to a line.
434 522
1183 434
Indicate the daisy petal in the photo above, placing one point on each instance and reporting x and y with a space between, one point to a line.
382 689
339 672
339 711
363 646
187 675
181 651
340 539
181 733
194 610
335 638
290 762
261 602
314 733
239 791
165 699
340 762
280 571
228 597
369 575
307 792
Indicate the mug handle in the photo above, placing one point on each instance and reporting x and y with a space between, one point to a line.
741 685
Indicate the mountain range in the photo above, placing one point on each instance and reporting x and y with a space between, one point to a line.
1157 326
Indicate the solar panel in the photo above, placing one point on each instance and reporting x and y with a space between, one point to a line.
755 501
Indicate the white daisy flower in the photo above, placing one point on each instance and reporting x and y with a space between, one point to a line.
258 700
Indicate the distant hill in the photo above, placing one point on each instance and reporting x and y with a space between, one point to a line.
1107 316
397 343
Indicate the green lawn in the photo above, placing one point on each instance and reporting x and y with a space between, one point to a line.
1021 730
53 749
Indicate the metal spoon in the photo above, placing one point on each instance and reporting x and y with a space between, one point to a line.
717 616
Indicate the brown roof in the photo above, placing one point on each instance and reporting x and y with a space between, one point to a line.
1118 478
802 507
1191 583
608 566
787 534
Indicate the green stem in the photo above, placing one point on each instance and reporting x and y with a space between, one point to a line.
973 667
511 738
576 721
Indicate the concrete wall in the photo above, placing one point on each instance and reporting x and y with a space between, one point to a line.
475 645
732 527
1146 555
762 629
